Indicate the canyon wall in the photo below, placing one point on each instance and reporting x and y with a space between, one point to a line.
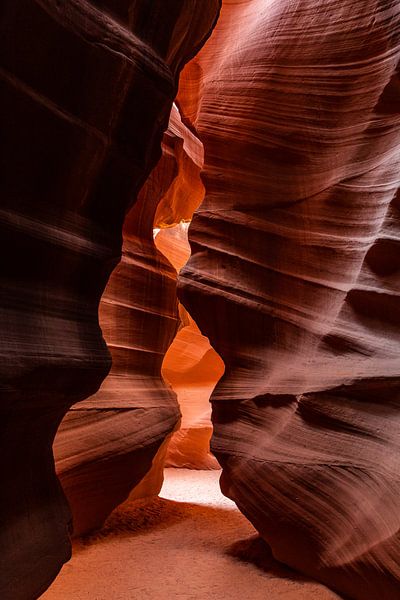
134 412
192 368
294 277
105 444
294 274
87 89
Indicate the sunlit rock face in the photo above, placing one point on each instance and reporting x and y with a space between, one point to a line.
191 366
294 277
135 410
87 89
105 445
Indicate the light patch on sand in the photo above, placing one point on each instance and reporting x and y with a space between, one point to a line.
189 544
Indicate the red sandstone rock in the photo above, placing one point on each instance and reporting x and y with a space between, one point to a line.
294 273
191 366
87 89
294 277
186 191
135 410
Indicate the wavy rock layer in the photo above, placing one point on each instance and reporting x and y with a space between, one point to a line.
294 277
105 445
134 411
191 366
87 89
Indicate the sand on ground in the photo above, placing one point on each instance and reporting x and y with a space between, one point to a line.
191 543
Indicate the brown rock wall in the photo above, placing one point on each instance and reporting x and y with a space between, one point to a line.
294 277
86 92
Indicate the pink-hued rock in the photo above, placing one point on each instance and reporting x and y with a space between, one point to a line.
294 277
86 92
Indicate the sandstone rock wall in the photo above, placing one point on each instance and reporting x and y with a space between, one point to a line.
294 277
192 368
135 411
294 274
86 92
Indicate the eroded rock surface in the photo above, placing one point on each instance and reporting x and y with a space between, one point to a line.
106 444
191 366
294 277
87 89
135 410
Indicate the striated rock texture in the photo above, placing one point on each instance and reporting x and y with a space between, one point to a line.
294 277
135 410
87 89
191 366
105 445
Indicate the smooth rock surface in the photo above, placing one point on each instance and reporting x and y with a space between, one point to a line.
106 444
86 93
294 277
135 410
192 368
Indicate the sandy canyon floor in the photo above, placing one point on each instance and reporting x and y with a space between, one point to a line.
191 543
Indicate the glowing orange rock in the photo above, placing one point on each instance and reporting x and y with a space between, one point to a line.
135 411
191 366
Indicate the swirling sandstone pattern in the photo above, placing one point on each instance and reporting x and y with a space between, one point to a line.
134 410
294 277
191 366
87 88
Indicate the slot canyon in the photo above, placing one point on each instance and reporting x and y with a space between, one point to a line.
200 316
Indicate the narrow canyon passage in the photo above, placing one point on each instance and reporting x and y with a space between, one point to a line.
191 543
185 405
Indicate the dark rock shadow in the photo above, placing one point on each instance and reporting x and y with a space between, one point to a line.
256 551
